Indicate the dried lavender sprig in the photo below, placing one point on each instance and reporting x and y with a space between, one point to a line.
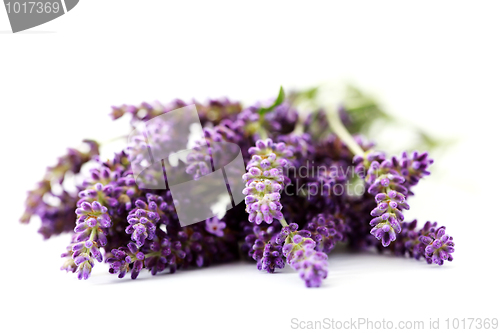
438 246
390 182
414 167
264 180
390 197
260 243
300 254
429 242
57 218
90 236
389 200
142 221
385 179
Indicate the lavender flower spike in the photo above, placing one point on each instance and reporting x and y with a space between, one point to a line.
439 246
90 236
299 251
429 242
142 221
265 179
262 246
386 184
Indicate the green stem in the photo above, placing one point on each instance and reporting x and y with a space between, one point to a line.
262 133
283 222
339 129
92 234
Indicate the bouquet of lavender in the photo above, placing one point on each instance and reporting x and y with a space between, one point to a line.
309 184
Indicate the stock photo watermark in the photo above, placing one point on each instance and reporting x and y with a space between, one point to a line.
311 180
25 15
204 178
361 323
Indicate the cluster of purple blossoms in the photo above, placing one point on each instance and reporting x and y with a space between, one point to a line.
390 181
265 179
90 235
439 246
261 246
114 219
326 231
430 242
56 209
142 222
215 226
300 253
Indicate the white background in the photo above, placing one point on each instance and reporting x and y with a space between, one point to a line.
434 64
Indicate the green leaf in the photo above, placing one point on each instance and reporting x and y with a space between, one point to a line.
280 99
310 93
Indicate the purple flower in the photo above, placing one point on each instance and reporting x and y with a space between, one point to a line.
299 251
414 167
312 266
272 257
90 235
142 221
202 248
57 218
389 181
438 246
429 242
326 231
215 226
163 253
125 259
264 180
199 163
261 246
160 253
390 202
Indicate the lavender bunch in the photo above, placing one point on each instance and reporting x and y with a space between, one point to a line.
114 219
